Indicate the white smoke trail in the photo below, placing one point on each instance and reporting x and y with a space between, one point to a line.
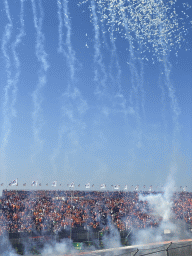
69 54
114 56
9 109
141 85
42 58
115 62
74 105
7 115
101 10
16 58
6 105
163 102
171 90
174 105
60 29
135 79
98 55
10 90
63 17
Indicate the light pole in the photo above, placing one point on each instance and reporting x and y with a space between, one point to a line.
70 227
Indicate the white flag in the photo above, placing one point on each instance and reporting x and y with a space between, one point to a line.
103 186
13 183
72 185
34 183
116 187
125 188
150 188
137 188
87 185
54 184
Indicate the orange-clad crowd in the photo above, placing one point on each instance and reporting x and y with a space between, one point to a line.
54 211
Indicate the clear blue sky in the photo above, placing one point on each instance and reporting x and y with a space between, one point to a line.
82 100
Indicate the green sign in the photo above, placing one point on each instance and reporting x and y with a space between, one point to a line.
77 246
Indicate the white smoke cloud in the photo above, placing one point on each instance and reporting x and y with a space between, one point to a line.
161 206
65 246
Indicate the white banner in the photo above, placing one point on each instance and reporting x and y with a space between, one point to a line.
34 183
72 185
103 186
54 184
87 185
13 183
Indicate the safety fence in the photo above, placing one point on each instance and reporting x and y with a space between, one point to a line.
177 248
170 250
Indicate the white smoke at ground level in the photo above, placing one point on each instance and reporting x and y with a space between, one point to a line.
161 206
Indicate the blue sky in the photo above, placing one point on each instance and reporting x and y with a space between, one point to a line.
90 97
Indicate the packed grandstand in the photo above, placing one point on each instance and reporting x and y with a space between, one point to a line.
54 211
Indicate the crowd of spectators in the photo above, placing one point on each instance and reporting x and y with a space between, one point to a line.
54 211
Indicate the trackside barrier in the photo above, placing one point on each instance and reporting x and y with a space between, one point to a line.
175 248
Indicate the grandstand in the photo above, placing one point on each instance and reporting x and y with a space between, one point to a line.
88 219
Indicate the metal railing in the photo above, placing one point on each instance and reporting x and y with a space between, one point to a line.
179 248
184 250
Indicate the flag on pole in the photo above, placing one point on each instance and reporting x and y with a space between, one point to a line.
39 184
34 183
2 184
116 187
92 185
13 183
47 184
24 184
72 185
79 185
185 189
102 186
54 184
150 188
125 188
87 186
137 188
